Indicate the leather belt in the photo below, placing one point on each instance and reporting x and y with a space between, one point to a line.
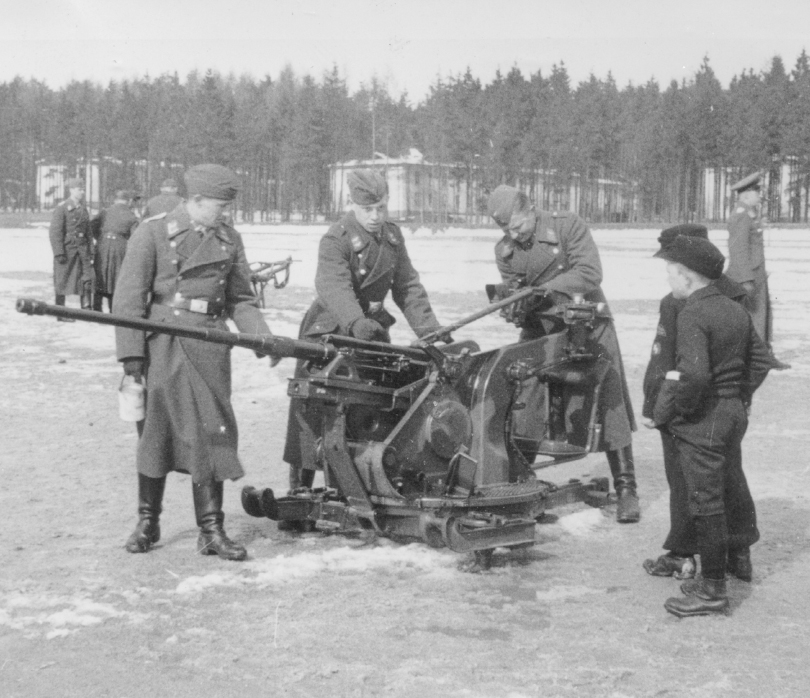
192 305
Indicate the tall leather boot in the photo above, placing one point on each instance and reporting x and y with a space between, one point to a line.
87 297
300 477
623 471
150 498
60 300
212 539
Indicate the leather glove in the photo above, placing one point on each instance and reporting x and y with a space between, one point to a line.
134 367
367 330
61 258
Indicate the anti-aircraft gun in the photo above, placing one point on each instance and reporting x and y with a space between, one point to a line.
262 273
436 444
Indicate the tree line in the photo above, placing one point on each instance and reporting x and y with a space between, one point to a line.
281 134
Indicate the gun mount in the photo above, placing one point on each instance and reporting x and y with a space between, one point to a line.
262 273
435 444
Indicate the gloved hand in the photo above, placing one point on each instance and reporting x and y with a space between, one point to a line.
61 258
134 367
367 330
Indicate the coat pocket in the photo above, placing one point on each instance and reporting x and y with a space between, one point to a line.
664 410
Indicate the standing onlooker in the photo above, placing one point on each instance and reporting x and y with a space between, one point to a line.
187 267
72 246
704 406
112 229
556 253
164 202
746 251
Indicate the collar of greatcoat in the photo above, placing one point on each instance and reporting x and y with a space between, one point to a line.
388 241
214 247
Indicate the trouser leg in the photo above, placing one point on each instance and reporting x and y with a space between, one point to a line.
208 509
622 469
150 499
60 300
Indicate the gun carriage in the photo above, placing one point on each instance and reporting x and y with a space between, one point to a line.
437 444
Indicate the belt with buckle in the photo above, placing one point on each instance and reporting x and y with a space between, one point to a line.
192 305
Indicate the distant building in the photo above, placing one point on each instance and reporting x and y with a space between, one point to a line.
441 194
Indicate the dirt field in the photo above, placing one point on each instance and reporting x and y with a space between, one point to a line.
317 615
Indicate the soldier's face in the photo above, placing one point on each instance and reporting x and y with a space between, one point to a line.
521 225
77 193
206 211
371 216
678 281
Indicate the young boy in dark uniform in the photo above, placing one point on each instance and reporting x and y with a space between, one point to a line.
719 365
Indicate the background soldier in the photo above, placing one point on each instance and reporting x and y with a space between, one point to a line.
112 229
72 246
556 253
746 253
193 269
718 370
360 259
164 202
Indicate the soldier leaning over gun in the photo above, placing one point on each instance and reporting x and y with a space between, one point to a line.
360 259
556 253
72 245
187 268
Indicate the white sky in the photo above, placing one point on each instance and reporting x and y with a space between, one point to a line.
406 42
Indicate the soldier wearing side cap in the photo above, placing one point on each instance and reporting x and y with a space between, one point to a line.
164 202
361 259
746 252
187 267
719 364
72 245
555 252
681 541
112 229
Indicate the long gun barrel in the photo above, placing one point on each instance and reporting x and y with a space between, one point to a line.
265 344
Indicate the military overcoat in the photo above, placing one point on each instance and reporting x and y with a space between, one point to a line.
356 270
562 257
746 263
177 274
112 230
70 236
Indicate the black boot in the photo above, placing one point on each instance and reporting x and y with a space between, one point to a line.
87 297
212 539
739 564
624 482
300 477
704 597
60 300
150 497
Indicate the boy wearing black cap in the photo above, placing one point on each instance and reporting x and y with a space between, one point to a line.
718 369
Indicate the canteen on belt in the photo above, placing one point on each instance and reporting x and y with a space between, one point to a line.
131 400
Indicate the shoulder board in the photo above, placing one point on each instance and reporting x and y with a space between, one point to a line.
337 230
156 217
504 248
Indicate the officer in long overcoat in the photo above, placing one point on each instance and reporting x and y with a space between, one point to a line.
72 245
166 201
746 256
187 268
112 229
555 252
360 259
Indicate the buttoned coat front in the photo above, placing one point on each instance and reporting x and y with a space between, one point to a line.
356 270
562 257
190 425
746 264
112 230
70 236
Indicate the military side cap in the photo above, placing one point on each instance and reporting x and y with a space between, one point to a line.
746 183
689 229
171 182
367 187
75 183
212 181
502 203
695 253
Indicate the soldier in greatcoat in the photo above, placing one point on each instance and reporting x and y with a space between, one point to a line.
166 201
72 245
746 253
112 229
555 252
187 267
360 259
720 362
